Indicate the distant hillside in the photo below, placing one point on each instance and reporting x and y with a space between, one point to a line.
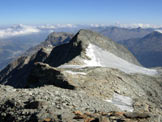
148 49
14 46
117 33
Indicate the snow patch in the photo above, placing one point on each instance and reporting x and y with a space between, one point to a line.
122 102
71 66
75 73
49 48
90 52
100 57
160 31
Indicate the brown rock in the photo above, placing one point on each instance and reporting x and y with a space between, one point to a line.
89 119
47 120
104 119
136 115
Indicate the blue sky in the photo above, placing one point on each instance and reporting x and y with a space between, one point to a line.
80 11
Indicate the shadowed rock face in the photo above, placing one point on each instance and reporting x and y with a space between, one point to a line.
64 53
54 39
42 74
16 73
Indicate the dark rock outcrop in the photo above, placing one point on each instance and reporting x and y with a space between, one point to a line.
16 73
54 39
42 74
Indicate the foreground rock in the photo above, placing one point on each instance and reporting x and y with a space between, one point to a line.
52 104
42 74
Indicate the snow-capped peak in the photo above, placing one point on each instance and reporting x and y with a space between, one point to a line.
160 31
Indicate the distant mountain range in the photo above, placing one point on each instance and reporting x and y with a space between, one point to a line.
148 49
15 40
117 33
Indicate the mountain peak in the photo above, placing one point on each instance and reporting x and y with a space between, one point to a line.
153 35
79 51
79 43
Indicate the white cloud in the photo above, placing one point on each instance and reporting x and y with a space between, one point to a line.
136 25
17 30
97 25
57 26
26 29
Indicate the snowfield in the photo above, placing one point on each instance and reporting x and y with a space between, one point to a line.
160 31
122 102
103 58
100 57
75 73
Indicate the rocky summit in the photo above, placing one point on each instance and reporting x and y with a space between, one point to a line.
87 79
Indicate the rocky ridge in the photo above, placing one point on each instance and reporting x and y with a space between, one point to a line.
70 53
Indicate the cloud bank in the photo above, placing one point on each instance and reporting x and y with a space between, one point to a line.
137 25
17 30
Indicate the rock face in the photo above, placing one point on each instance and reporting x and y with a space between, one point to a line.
86 79
148 49
42 74
21 67
54 39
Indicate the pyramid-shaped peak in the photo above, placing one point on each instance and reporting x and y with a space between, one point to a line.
88 36
91 35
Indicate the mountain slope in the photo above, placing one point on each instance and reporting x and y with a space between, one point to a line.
148 50
77 46
12 47
73 53
22 65
119 33
19 39
53 39
82 80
